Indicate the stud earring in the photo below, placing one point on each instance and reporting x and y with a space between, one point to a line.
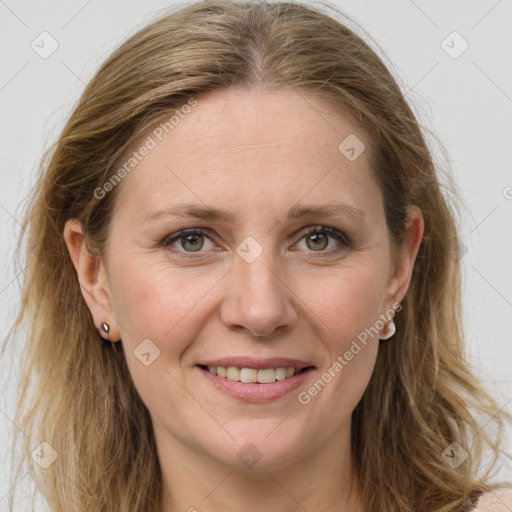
105 329
391 328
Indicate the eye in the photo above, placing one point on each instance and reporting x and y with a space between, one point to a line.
190 240
317 239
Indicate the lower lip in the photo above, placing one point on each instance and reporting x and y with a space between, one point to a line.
254 392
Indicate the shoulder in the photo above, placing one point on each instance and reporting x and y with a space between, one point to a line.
497 500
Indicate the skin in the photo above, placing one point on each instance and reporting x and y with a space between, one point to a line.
256 154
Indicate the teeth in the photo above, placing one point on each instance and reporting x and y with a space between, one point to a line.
250 375
281 373
233 373
266 376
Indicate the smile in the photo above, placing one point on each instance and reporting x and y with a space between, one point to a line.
253 375
256 385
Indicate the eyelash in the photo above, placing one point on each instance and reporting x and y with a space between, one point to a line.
334 233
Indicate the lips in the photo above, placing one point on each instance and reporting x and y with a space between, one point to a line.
256 380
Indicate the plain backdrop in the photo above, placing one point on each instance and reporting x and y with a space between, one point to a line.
452 60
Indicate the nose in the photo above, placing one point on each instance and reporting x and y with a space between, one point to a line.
257 298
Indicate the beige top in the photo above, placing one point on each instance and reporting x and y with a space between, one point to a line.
497 500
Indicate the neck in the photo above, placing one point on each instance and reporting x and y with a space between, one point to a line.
194 482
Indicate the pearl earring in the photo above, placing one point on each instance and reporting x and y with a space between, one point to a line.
391 328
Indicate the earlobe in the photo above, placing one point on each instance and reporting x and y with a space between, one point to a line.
92 279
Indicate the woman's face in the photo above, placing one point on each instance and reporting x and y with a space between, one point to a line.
254 287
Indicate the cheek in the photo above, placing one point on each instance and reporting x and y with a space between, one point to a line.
350 301
156 302
348 312
164 306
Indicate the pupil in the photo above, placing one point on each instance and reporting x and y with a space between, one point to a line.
316 241
194 239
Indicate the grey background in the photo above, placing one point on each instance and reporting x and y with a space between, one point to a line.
465 101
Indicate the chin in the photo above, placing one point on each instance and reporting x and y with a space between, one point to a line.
261 449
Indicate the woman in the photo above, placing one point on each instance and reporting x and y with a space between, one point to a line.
243 207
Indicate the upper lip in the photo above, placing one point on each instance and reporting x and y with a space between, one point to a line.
258 364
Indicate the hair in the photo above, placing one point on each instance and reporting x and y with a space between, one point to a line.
75 390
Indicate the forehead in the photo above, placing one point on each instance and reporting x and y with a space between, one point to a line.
238 148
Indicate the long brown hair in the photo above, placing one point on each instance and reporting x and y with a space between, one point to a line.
76 393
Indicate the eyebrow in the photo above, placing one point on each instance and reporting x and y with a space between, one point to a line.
212 214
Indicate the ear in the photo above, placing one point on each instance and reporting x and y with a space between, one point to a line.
404 257
92 279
